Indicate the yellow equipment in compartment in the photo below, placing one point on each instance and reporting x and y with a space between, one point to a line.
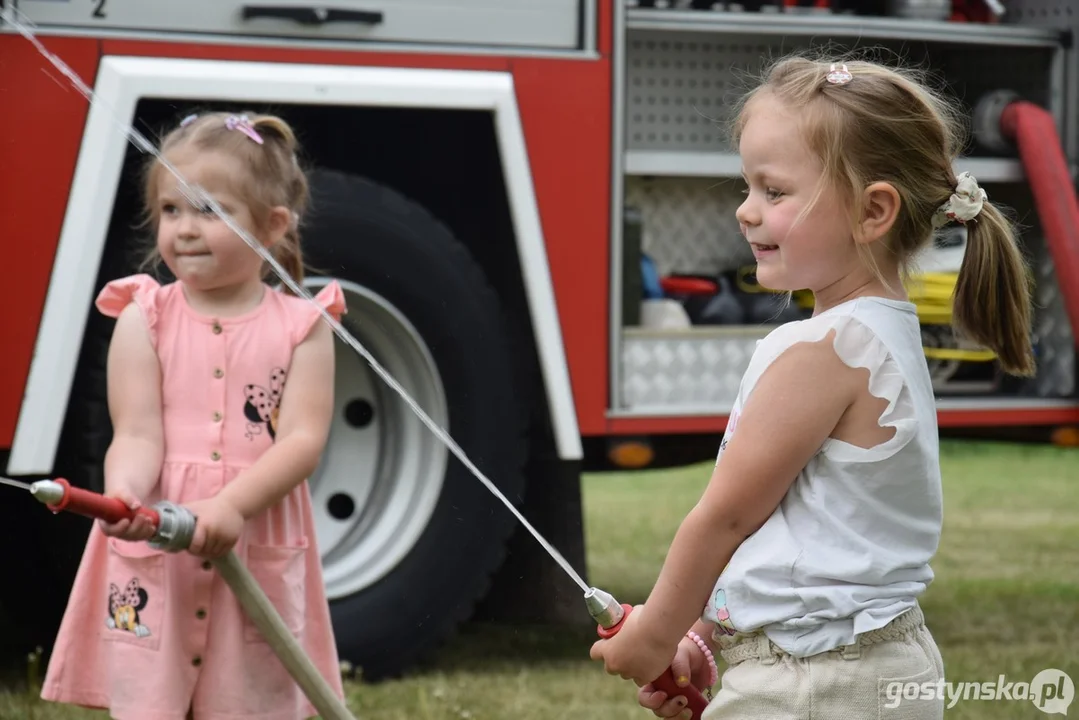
931 294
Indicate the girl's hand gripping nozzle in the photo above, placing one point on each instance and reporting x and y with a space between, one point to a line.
175 525
610 615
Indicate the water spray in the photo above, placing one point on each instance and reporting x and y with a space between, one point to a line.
608 613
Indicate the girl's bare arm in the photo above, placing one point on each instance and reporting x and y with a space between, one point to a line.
133 460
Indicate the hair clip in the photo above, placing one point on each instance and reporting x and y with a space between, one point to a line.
243 124
842 76
188 120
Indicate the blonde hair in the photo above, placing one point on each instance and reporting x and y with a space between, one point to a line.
272 174
888 125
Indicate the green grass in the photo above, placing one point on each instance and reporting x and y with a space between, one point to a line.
1006 598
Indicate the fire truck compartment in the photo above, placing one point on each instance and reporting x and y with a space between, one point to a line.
550 24
681 184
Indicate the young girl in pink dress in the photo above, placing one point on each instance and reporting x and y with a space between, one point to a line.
221 394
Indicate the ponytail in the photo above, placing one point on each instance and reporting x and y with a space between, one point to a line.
282 147
271 125
993 294
288 253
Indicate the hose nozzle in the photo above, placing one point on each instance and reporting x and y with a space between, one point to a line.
175 524
610 614
47 492
603 608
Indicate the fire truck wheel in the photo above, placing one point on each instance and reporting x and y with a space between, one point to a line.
408 536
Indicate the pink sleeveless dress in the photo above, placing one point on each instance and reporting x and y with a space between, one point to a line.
148 634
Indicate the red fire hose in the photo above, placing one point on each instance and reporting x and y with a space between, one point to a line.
1034 132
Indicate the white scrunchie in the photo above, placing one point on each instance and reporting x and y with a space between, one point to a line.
964 204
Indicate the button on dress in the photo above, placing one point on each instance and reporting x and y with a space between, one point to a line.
149 634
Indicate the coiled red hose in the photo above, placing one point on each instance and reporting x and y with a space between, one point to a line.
1034 132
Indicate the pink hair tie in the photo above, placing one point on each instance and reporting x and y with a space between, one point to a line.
243 124
714 676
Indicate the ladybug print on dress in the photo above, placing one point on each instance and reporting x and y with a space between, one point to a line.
124 608
261 405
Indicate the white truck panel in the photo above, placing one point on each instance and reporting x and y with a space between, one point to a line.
122 81
550 24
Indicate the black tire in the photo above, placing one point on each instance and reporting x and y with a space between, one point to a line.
372 236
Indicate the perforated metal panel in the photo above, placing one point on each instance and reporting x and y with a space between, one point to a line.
681 87
1053 334
973 74
1059 15
689 225
1044 13
678 87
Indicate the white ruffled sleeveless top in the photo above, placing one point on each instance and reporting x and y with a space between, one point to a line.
848 548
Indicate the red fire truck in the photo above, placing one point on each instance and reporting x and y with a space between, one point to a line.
530 206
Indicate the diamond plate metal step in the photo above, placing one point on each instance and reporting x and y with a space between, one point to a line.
686 371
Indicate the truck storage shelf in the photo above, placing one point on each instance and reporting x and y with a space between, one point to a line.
1057 410
728 165
842 26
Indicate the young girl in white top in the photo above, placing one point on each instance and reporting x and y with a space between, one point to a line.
811 544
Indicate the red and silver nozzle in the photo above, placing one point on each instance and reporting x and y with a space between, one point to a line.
174 525
603 608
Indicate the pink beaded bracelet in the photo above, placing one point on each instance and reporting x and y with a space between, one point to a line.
714 677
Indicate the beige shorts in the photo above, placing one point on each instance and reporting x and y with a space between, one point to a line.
869 679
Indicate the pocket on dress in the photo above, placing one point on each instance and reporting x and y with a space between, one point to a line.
915 697
136 593
281 572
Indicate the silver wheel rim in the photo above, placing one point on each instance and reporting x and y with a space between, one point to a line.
382 471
